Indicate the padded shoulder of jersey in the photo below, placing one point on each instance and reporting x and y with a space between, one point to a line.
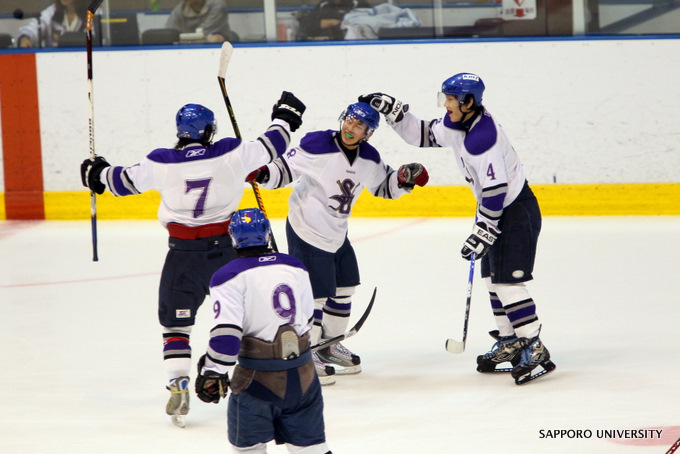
482 136
194 152
239 265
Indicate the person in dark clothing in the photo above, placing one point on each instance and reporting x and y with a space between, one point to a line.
325 20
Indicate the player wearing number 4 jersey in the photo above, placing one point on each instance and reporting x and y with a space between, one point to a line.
201 184
263 311
331 169
508 217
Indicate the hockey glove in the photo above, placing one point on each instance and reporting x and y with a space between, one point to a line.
90 171
260 175
392 108
211 386
411 174
479 242
289 109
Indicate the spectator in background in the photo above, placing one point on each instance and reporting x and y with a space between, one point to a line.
211 16
55 20
325 20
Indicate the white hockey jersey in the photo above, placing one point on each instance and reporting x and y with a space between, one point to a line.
483 153
199 185
329 185
254 296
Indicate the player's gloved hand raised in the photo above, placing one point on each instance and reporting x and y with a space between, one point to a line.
392 108
90 171
260 175
289 109
480 241
211 386
412 174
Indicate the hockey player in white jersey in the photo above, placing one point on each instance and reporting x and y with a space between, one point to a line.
508 216
201 184
331 169
263 311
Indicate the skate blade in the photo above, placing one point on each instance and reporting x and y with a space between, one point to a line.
547 367
327 380
501 370
340 370
179 420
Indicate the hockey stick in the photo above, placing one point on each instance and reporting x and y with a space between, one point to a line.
674 447
225 56
453 346
94 5
355 329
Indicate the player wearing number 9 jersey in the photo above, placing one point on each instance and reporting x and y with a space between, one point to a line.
201 184
263 312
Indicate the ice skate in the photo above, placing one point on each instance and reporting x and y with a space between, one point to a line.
532 356
344 361
325 373
506 348
178 405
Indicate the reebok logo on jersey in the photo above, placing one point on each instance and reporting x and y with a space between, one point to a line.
194 153
183 313
267 258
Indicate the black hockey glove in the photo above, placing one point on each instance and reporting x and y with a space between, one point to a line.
479 242
260 175
211 386
90 171
392 108
412 174
289 109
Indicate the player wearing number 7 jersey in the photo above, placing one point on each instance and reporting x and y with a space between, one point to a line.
201 185
508 216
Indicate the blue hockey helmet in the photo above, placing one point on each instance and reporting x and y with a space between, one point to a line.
463 84
248 228
363 112
193 120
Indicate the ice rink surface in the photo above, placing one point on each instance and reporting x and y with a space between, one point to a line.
81 361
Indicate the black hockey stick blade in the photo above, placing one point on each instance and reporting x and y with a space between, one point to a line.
355 329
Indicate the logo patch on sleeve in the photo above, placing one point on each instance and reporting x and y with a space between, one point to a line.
183 313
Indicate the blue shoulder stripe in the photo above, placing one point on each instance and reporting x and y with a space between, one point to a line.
194 152
319 142
238 266
482 136
368 151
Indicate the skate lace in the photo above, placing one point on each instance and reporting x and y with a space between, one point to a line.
494 348
340 350
498 346
532 353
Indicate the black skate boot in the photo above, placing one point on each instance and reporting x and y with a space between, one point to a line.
533 355
506 348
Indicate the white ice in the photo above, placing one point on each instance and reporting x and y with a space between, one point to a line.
81 364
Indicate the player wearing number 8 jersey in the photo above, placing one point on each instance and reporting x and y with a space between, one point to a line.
201 184
263 311
508 216
330 169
